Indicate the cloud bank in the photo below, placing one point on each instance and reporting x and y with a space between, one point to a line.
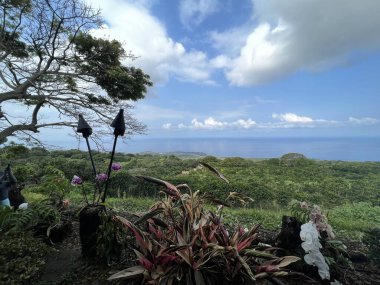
281 121
133 24
288 36
279 39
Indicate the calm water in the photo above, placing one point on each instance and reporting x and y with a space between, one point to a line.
349 149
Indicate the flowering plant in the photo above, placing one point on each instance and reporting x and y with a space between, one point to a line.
100 179
314 214
315 229
311 245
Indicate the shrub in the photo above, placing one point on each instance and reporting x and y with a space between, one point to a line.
38 218
182 243
372 240
111 239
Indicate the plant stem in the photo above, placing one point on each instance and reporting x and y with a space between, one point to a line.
109 170
93 169
85 195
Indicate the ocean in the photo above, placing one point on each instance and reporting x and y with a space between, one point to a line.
347 149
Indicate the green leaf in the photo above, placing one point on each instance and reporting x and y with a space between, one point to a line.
131 272
282 261
171 190
212 169
149 215
258 253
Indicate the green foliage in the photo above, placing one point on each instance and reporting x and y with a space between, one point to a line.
372 240
111 239
298 211
53 183
248 217
35 217
14 151
182 243
354 217
21 258
103 63
339 186
294 159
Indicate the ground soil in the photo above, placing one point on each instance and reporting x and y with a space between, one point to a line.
65 265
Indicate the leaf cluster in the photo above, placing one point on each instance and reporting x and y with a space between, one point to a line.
39 216
372 240
101 59
179 242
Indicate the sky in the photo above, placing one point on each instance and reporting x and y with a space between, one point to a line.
252 68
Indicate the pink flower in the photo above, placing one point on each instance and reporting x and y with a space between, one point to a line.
65 202
76 181
101 177
116 166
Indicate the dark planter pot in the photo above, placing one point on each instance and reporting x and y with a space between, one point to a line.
89 222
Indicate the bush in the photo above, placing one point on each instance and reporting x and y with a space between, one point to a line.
179 242
372 240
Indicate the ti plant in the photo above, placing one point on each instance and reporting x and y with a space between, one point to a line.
84 128
180 242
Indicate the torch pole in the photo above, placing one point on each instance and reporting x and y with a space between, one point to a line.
109 169
93 168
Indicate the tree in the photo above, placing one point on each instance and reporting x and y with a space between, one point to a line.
50 60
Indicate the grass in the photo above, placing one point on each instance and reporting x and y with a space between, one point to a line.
348 221
351 220
248 217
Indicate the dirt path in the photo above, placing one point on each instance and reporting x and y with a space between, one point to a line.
60 263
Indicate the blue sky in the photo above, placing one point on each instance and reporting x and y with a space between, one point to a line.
252 68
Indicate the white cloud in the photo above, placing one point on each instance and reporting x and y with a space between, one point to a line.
287 36
209 123
363 121
245 124
212 124
167 126
132 23
283 121
292 118
194 12
221 61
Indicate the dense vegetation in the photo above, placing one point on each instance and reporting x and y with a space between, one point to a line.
349 190
263 191
271 183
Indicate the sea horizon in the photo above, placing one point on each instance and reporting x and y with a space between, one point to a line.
321 148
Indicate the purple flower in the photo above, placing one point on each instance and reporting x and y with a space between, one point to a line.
116 166
101 177
76 181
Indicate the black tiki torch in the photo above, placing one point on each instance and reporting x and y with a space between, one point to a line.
85 129
119 129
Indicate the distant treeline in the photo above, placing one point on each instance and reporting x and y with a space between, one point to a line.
268 182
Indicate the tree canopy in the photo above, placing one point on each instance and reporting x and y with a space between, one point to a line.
50 60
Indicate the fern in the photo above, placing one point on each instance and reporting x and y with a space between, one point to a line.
29 219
